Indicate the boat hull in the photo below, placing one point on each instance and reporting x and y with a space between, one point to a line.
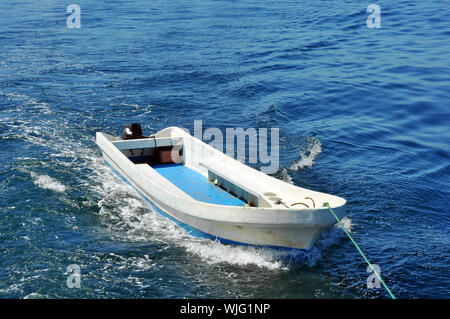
214 215
297 236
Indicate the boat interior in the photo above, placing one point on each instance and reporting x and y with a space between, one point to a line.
158 152
214 180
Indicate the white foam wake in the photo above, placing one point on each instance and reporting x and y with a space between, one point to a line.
214 252
46 182
308 154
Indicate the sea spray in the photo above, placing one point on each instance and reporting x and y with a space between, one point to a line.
47 182
308 154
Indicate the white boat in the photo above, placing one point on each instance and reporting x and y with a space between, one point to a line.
213 195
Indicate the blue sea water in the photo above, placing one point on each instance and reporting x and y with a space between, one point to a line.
363 113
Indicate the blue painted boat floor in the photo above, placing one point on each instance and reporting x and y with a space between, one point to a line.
196 185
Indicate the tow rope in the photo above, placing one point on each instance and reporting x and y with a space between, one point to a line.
359 250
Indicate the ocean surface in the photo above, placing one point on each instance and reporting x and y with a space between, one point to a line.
363 113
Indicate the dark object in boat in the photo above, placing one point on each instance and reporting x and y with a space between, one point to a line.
166 155
169 155
132 132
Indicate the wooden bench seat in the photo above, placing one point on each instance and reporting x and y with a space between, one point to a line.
237 183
